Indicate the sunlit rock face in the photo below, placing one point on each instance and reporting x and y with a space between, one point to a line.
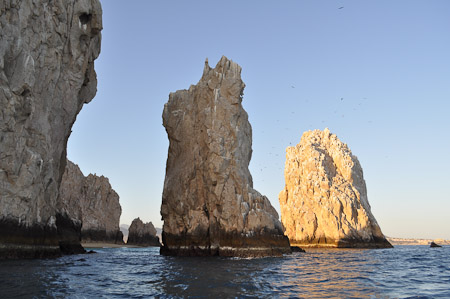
91 202
142 234
324 202
209 206
47 53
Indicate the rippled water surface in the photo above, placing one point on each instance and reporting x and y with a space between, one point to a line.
402 272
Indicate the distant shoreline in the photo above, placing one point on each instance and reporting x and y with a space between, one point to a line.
393 241
411 241
107 245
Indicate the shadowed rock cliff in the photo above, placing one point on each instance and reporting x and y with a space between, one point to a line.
209 206
47 54
324 202
92 202
142 234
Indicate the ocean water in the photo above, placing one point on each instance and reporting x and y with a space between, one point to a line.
402 272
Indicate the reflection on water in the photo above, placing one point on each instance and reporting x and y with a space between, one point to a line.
401 272
331 272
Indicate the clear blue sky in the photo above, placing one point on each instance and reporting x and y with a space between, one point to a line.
388 60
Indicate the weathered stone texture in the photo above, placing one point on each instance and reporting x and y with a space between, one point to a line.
93 203
47 54
209 206
324 202
142 234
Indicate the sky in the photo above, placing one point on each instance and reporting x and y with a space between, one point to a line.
376 73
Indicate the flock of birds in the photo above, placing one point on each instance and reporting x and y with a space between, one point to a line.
335 111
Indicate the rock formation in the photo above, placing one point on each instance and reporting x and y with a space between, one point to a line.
297 249
434 245
209 206
47 54
324 202
93 203
142 234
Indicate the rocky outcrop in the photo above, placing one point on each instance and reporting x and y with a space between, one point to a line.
142 234
324 202
93 203
47 54
209 206
297 249
434 245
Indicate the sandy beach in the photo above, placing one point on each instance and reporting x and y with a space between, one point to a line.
107 245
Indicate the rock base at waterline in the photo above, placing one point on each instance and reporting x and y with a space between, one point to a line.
342 243
24 242
102 236
229 245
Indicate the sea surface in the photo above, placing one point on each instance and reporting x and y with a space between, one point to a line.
402 272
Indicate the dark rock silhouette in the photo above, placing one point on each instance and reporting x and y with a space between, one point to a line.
297 249
434 245
142 234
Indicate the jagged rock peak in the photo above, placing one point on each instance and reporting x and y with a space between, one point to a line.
47 54
92 201
225 67
142 234
324 202
209 206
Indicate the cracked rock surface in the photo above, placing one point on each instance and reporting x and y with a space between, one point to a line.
324 202
91 201
209 206
47 54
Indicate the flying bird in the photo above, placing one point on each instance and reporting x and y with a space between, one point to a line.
341 7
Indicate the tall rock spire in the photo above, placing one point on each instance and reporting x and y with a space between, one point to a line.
209 206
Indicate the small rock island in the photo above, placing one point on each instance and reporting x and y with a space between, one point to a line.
209 206
324 202
142 234
434 245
